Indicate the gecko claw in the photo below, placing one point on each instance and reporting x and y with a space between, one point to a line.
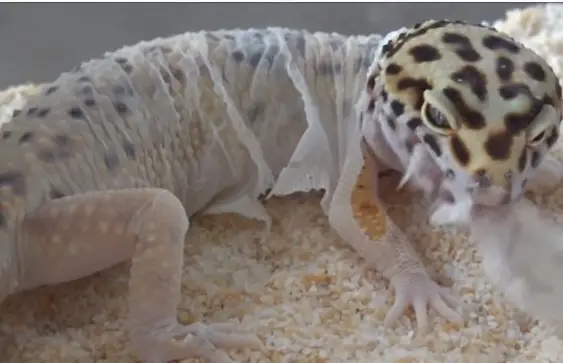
420 291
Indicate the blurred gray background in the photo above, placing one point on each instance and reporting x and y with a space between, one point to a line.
38 40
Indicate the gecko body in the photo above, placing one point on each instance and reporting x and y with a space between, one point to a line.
110 161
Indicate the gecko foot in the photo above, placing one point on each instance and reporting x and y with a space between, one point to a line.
198 340
420 291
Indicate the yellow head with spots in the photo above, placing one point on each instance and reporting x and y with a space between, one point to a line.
487 108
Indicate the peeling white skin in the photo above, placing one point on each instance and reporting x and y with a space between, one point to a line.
197 123
522 249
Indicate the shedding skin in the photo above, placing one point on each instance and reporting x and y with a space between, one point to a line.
117 155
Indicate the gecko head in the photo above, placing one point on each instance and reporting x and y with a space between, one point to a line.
486 108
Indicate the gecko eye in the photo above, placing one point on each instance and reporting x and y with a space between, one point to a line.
538 139
435 119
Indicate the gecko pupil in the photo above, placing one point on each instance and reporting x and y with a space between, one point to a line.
436 117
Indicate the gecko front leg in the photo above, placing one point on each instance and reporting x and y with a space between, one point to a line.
407 274
390 252
78 235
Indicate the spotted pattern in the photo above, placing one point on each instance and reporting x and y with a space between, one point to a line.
424 53
491 89
476 80
460 151
498 145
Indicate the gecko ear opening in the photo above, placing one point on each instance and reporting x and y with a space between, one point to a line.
543 124
437 113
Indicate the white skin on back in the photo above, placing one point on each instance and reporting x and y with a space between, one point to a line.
110 161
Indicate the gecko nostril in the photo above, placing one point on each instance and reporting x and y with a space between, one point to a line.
508 176
482 179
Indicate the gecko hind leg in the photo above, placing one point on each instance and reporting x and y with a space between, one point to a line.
93 231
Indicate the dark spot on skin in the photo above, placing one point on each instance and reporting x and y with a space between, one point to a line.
121 60
125 65
25 137
129 150
414 122
551 139
535 71
111 161
16 113
120 107
535 161
14 180
238 56
390 49
424 53
476 80
255 112
450 174
387 48
495 42
62 141
460 151
75 113
84 79
470 118
6 134
505 68
522 160
511 91
43 112
51 89
393 69
397 107
335 44
371 105
32 110
371 83
90 102
384 95
455 38
62 149
165 77
391 123
498 145
254 59
418 86
516 123
177 74
463 47
87 90
468 54
47 156
56 193
431 141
